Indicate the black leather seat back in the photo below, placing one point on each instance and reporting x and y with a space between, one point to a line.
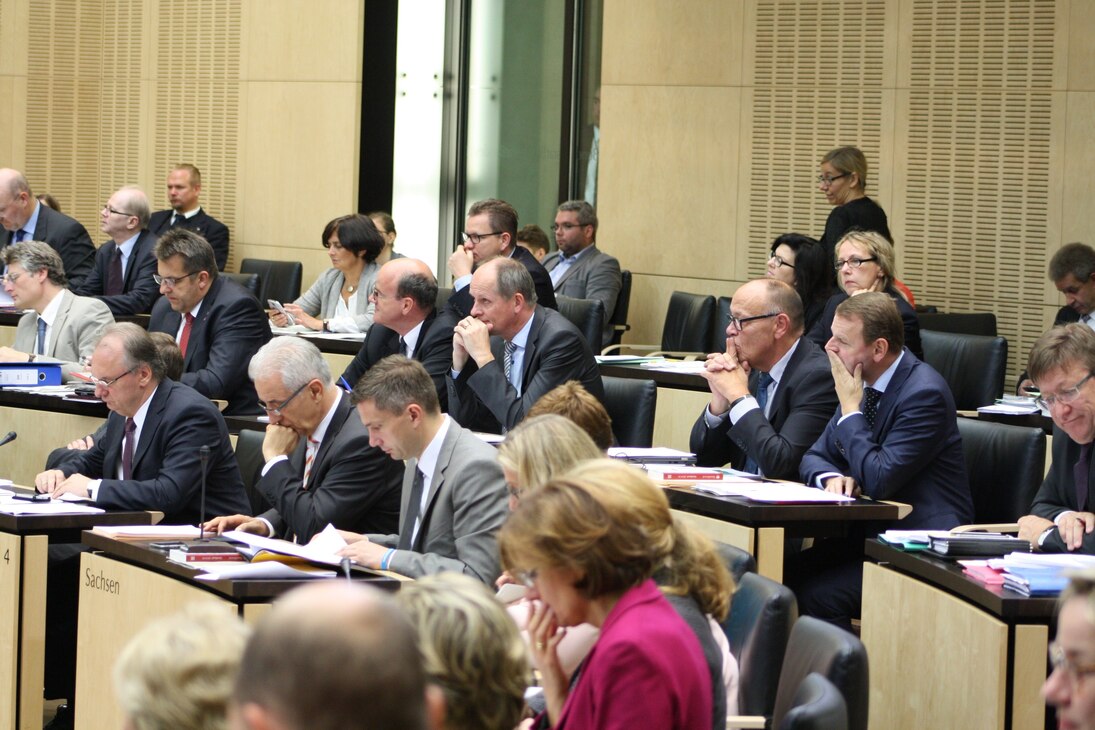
722 321
963 323
250 282
973 365
688 322
631 404
588 315
737 561
250 459
280 279
817 705
619 312
817 646
1006 465
443 294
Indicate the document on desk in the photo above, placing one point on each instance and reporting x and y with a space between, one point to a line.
267 570
148 532
320 551
772 492
10 506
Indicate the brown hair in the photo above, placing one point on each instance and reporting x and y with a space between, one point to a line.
878 313
572 401
1070 343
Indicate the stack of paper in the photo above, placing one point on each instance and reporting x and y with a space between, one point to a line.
1036 574
656 455
148 532
772 492
907 540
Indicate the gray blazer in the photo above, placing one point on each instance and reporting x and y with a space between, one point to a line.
595 275
76 331
321 299
467 503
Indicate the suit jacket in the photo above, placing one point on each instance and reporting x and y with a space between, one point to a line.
433 350
166 464
595 275
803 403
321 299
68 237
823 329
202 223
483 400
913 454
460 302
229 329
646 670
466 504
351 485
76 331
139 289
1058 493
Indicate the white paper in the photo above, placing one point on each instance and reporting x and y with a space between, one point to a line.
627 359
56 507
511 592
775 492
657 452
491 438
266 570
321 553
689 367
1010 409
149 532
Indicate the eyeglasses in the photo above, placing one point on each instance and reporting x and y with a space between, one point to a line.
526 577
10 278
780 262
108 209
106 383
1059 660
567 226
276 410
1065 396
854 262
739 322
827 181
171 281
375 293
475 238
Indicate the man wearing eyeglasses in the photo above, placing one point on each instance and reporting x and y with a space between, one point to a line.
25 219
218 324
320 468
60 326
579 269
490 232
771 391
124 265
1062 518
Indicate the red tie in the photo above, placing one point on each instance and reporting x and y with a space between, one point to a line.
310 456
184 338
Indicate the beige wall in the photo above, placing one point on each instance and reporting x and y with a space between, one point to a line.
262 95
975 118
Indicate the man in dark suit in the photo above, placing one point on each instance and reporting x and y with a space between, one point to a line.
511 351
491 232
406 322
125 265
25 219
1062 518
893 437
579 269
184 185
218 324
454 495
320 468
771 391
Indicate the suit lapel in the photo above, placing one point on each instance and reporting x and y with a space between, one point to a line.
134 255
151 421
886 411
426 324
775 412
342 411
197 330
583 261
530 346
444 455
58 325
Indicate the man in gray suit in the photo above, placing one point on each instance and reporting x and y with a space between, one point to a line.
579 269
62 327
454 494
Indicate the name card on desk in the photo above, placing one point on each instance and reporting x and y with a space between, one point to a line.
30 373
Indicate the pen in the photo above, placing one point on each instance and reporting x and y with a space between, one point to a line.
31 497
345 385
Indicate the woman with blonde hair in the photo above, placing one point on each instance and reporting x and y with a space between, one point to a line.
842 179
527 463
589 544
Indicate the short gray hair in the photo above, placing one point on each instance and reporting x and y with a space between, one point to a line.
296 359
35 256
587 216
138 347
511 277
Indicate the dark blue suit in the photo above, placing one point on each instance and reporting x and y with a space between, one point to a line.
205 225
228 331
68 237
139 289
460 302
913 455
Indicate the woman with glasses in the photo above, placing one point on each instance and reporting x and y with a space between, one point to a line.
801 262
339 299
865 261
1070 687
843 180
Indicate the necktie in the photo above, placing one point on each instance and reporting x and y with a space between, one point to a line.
403 347
870 405
127 448
309 456
176 219
414 503
1081 472
41 348
20 235
764 381
184 338
114 275
507 362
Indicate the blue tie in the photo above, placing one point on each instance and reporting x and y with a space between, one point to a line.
19 235
763 382
41 336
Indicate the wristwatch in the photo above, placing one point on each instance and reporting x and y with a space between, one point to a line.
326 326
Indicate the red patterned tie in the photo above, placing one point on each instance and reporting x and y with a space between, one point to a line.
310 455
184 338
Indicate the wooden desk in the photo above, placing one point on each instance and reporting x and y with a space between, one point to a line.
131 585
761 528
24 543
681 399
947 651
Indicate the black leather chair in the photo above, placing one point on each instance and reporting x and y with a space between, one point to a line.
280 280
250 282
817 646
757 628
817 705
631 404
722 321
973 365
689 319
618 320
1005 464
588 315
443 294
250 459
737 561
962 323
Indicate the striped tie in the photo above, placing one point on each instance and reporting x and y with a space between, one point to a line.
507 361
309 457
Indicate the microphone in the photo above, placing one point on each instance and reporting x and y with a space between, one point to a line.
8 439
345 563
203 454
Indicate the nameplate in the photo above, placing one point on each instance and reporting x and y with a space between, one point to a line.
101 583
